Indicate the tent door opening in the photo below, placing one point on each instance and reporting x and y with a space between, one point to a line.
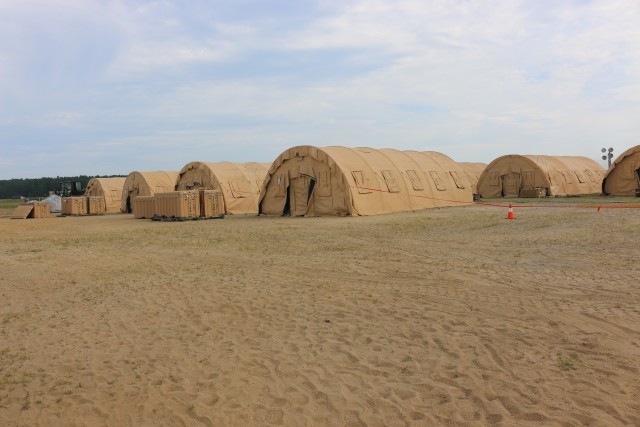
511 185
129 210
638 182
287 204
299 194
312 185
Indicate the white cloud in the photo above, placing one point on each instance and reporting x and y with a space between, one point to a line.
473 79
154 39
147 57
408 25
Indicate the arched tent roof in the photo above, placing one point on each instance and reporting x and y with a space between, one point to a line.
312 181
109 188
559 175
146 184
623 177
239 183
472 171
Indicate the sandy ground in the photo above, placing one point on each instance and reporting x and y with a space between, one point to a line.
451 316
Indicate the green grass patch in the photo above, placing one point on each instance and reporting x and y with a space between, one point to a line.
567 363
10 203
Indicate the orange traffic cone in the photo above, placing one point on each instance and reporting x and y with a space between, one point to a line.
510 214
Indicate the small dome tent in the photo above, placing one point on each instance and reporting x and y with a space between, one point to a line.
472 171
146 184
313 181
623 177
508 176
109 188
239 183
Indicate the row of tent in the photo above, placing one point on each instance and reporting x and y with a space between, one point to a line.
239 184
313 181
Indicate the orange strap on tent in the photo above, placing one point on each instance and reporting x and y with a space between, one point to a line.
415 195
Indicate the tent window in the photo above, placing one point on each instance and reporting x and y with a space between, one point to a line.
358 177
437 180
528 178
391 182
590 175
323 184
456 179
238 191
415 180
567 177
494 178
282 183
579 176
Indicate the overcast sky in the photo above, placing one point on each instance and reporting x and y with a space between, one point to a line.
108 87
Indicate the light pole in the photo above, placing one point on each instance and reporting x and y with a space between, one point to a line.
608 156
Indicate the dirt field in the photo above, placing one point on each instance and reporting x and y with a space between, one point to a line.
451 316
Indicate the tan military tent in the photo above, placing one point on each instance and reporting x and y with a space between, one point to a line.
314 181
109 188
472 171
623 177
239 183
512 175
146 184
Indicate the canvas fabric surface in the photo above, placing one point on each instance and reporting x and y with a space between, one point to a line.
110 189
623 177
472 171
146 184
239 183
560 175
316 181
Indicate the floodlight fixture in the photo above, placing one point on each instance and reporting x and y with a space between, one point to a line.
608 156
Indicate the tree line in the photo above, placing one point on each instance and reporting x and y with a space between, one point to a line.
39 187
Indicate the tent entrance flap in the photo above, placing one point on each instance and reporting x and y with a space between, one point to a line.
511 185
300 192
